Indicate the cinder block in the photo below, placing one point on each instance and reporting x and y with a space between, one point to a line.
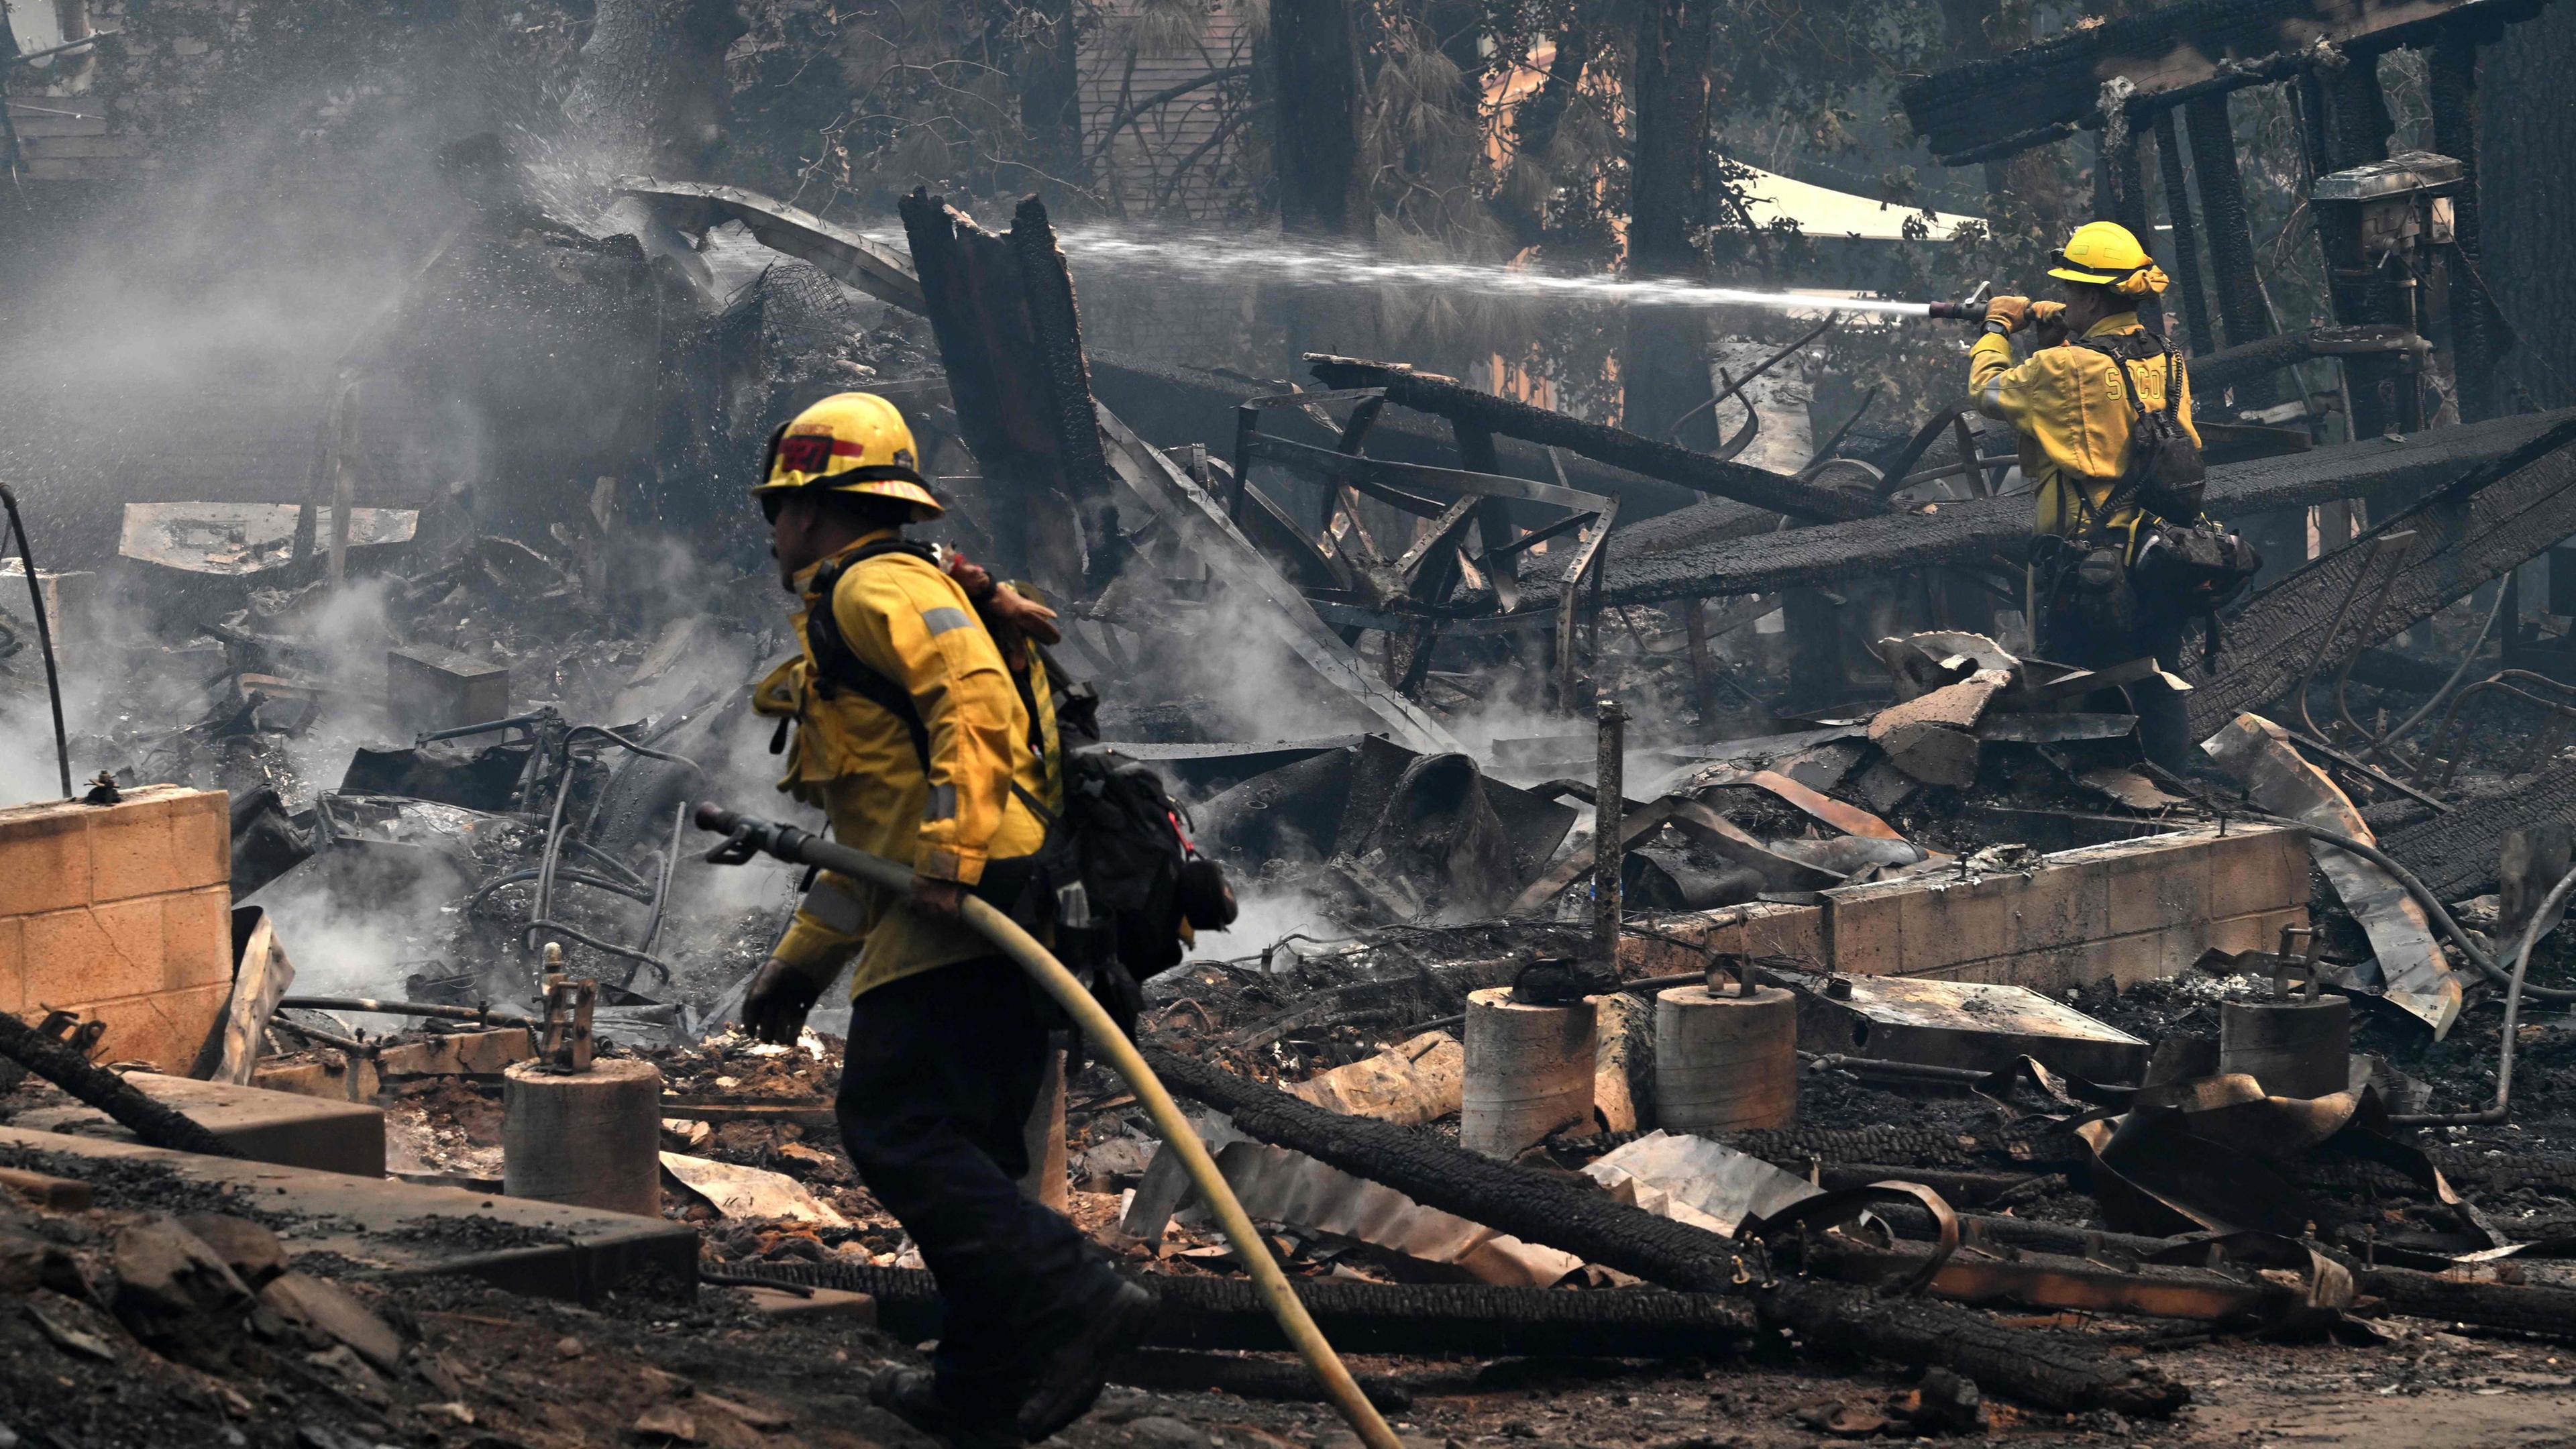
1761 928
44 857
94 953
2063 903
1864 928
197 938
2255 870
1773 928
129 849
2148 890
429 688
201 840
13 964
1949 921
2259 931
165 1028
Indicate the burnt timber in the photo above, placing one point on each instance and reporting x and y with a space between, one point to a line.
1991 527
2039 1368
2459 543
2040 93
1603 444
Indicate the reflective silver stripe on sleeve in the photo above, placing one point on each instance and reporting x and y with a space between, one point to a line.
1993 396
830 903
943 620
943 803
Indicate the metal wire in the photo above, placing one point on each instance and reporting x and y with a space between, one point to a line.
2470 658
577 877
2495 682
2541 922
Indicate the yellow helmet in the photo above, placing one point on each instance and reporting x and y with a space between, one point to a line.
850 442
2107 254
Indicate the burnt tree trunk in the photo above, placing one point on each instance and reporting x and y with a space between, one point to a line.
1051 95
1662 373
2527 210
1314 58
651 95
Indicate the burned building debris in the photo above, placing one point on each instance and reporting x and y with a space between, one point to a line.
1703 974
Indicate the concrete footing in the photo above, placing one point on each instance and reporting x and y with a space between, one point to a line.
285 1128
591 1138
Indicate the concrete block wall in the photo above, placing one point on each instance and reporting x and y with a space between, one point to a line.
1667 945
123 913
2127 911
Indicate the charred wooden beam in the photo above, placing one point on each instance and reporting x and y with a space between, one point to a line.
2170 54
2186 233
1172 406
1469 1318
2456 853
2243 316
1981 528
2478 331
1615 446
2472 529
2238 366
2035 1367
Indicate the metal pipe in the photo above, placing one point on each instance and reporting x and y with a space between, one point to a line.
2471 657
1609 851
2540 922
578 877
44 638
409 1008
2424 897
670 868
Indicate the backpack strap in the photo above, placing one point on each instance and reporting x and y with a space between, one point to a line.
838 667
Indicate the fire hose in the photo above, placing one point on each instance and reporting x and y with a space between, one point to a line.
746 835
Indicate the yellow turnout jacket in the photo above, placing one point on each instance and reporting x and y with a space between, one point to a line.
2072 411
912 623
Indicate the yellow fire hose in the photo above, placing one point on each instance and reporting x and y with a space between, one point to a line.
786 842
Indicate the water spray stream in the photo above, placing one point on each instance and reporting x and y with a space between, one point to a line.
1216 259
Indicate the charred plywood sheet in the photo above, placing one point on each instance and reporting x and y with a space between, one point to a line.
1960 1024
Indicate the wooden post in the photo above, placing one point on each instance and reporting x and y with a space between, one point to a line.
2241 310
1609 852
2120 190
1703 686
2186 245
2475 326
344 485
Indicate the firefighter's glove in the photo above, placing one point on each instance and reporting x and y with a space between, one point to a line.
1115 988
774 1009
2010 313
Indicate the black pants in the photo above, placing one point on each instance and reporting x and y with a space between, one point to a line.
941 1071
2069 636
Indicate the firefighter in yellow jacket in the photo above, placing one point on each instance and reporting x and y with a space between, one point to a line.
922 744
2094 369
